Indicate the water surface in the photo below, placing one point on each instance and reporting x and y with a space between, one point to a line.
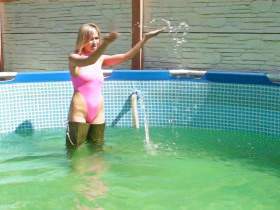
183 169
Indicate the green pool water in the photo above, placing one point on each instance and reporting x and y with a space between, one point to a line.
184 169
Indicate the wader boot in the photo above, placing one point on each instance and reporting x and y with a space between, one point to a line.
96 135
76 135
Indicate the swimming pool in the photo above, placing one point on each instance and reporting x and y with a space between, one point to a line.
211 100
215 137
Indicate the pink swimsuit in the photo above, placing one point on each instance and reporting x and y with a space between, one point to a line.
89 84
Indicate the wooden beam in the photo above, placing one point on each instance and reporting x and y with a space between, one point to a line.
2 12
137 32
1 38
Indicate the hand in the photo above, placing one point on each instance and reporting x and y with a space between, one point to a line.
153 33
111 37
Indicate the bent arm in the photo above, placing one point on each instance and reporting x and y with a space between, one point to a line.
80 60
120 58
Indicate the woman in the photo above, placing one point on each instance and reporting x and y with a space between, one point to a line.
86 115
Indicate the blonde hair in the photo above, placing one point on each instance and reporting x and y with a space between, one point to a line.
85 34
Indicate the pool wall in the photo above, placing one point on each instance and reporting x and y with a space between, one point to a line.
217 100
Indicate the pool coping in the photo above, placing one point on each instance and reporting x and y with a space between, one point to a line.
215 76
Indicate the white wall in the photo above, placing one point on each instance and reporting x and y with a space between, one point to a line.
39 34
223 34
227 35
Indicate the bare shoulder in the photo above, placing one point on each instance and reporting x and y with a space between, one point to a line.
105 59
105 56
76 59
72 66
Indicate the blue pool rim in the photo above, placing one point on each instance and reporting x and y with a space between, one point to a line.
207 99
145 75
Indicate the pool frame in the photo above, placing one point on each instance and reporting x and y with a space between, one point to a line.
184 98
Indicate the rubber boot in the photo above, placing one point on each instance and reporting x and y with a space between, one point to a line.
96 136
76 135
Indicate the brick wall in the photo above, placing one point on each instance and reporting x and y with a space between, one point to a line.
229 35
39 35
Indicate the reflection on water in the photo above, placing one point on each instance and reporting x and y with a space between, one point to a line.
89 166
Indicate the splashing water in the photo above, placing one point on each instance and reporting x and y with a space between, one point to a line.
150 147
146 124
178 32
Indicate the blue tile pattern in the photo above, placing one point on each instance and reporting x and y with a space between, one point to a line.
182 103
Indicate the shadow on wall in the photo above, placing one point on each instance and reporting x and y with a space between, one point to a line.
25 128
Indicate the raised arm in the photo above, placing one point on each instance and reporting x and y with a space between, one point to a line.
120 58
81 60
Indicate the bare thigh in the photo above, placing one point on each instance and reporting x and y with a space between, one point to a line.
100 117
78 109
